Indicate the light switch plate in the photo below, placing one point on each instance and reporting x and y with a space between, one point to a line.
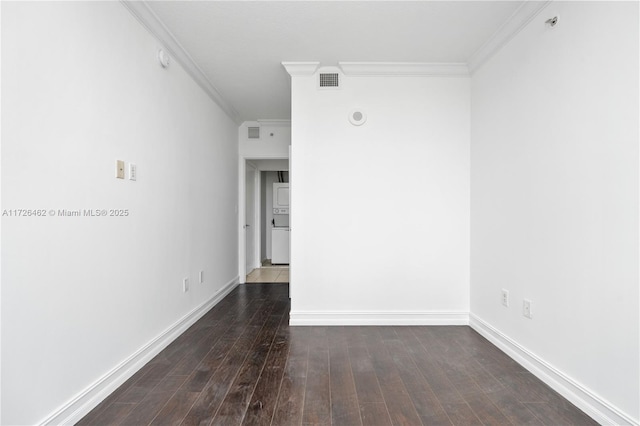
119 169
133 172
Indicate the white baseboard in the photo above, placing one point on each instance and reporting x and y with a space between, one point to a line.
378 318
599 409
89 398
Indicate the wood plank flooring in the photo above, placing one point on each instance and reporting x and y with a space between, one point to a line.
241 364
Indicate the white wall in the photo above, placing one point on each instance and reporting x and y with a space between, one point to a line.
554 186
0 220
81 88
386 205
274 140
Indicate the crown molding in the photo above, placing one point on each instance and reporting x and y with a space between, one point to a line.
301 68
512 26
143 13
404 69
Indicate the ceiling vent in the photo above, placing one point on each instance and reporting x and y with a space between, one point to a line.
253 132
329 80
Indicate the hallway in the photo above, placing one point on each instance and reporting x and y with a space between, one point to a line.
269 273
242 364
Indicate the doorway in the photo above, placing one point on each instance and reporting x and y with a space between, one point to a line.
260 222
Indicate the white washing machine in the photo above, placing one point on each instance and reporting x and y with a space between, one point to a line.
280 246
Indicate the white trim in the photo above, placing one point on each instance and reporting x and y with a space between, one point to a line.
512 26
404 69
594 405
378 318
301 68
274 122
147 17
71 412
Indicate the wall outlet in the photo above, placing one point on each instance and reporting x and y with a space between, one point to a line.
185 285
505 297
201 277
526 308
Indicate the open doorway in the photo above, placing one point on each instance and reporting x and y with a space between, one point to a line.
274 221
266 239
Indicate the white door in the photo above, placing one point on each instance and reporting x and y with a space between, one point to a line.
249 218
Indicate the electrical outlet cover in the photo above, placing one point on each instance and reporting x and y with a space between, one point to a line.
505 297
526 308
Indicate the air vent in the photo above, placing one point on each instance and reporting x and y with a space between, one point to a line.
253 132
329 80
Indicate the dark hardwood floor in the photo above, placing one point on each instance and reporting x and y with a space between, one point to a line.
242 364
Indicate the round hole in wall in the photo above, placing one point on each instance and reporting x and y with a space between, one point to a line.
357 117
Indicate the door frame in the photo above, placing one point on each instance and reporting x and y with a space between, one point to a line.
255 223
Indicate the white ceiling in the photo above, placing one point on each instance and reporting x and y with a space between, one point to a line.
240 45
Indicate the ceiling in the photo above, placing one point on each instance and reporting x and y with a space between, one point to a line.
240 45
